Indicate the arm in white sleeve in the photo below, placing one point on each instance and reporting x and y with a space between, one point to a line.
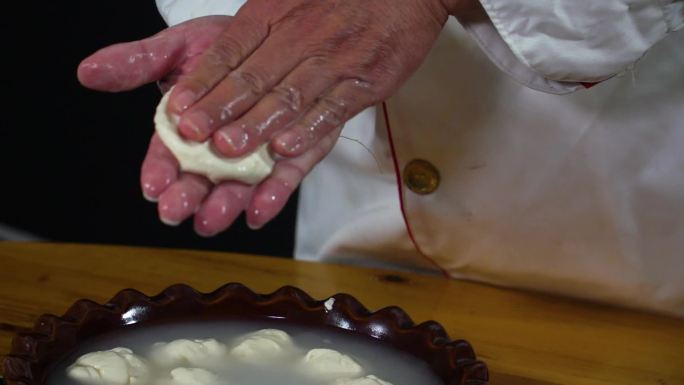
177 11
552 45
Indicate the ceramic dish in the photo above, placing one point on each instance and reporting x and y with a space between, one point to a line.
34 354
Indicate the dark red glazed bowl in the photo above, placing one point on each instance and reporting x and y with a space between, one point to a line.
34 353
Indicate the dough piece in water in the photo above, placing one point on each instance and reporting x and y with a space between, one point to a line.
329 364
192 376
196 353
118 366
263 344
200 159
368 380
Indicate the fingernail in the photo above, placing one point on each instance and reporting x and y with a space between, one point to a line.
149 198
204 234
252 225
196 125
169 222
290 143
164 209
201 234
148 190
236 139
184 100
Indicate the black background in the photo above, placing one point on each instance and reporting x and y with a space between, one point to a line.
70 156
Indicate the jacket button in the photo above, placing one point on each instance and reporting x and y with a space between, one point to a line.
421 177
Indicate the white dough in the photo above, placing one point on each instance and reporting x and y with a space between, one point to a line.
200 159
368 380
192 376
208 362
197 353
328 363
329 304
265 343
118 366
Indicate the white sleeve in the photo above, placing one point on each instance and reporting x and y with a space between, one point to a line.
177 11
553 45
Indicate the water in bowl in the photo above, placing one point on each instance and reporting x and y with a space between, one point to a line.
395 367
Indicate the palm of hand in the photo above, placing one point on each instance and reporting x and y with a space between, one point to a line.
168 56
266 75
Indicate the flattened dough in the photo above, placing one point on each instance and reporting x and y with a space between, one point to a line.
368 380
193 376
195 353
328 364
198 158
263 345
118 366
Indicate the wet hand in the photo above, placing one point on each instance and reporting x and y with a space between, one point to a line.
165 57
290 72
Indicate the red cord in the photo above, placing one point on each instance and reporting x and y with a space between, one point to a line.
401 195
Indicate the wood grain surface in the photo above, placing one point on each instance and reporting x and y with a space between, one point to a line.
525 338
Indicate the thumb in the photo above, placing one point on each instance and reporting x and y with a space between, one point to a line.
126 66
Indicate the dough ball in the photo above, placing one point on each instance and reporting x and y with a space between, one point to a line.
118 366
199 158
329 364
197 353
193 376
368 380
263 344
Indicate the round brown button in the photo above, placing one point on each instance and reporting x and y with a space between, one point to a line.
421 177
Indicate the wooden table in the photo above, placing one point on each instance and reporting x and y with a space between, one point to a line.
525 338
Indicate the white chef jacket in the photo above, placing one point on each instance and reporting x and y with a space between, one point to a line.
545 185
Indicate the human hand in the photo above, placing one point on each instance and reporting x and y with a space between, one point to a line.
289 72
165 57
356 60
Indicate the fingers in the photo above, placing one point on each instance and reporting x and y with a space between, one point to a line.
330 112
236 42
159 170
182 198
242 88
126 66
276 110
220 209
270 196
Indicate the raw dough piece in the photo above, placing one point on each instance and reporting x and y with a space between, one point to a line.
368 380
200 159
118 366
329 364
329 304
192 376
263 344
197 353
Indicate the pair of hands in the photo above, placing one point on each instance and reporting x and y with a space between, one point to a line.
288 72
